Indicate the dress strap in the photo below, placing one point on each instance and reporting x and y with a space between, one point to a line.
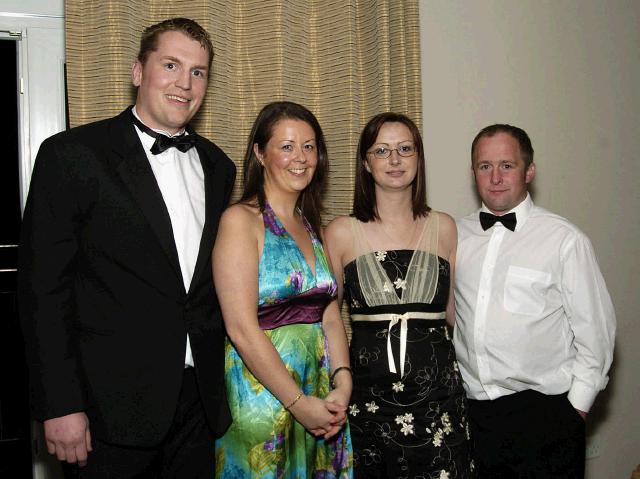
424 268
360 244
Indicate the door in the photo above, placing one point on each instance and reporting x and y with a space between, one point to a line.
33 104
15 435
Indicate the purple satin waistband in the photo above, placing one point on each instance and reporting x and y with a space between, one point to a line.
306 308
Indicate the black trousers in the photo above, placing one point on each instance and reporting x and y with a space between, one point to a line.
527 435
187 452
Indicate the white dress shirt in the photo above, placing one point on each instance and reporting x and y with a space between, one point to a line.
532 309
181 182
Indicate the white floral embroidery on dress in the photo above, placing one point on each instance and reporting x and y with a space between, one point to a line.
397 387
385 433
372 406
446 422
387 288
444 474
400 283
353 410
407 429
371 456
381 255
437 438
405 420
364 356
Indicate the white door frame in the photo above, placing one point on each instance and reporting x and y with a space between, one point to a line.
41 104
41 113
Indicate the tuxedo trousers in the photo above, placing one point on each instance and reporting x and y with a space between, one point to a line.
527 435
187 452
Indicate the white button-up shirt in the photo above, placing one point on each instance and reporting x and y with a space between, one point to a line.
181 181
532 309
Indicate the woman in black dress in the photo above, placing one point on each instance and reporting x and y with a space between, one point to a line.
394 260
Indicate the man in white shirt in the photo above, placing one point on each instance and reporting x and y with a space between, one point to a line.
535 325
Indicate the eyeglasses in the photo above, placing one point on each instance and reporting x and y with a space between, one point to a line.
382 152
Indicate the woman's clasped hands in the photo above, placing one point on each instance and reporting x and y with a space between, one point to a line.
321 417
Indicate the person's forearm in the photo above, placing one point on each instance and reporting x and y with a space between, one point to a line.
338 348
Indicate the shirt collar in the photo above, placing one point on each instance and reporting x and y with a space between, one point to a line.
522 211
162 132
167 156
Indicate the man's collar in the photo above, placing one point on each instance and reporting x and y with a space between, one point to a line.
163 132
522 211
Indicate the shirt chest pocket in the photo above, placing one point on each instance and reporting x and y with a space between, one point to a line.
525 290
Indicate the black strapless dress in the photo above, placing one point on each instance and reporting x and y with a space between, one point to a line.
412 425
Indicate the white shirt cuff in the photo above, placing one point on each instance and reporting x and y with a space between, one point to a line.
582 396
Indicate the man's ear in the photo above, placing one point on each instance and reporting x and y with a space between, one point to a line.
136 73
530 173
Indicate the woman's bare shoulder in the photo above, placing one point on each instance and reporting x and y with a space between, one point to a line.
241 213
339 229
240 221
445 222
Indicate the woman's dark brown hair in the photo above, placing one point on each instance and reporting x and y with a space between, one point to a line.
310 200
365 207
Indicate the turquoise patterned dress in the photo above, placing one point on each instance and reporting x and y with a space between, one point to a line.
264 440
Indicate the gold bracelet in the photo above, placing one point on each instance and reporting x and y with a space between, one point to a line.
294 401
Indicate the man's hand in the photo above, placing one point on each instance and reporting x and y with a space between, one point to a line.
583 414
68 437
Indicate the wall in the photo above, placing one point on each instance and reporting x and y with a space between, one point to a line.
567 72
33 7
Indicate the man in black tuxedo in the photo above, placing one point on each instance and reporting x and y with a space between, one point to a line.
123 330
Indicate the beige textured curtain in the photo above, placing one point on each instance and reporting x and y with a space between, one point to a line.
346 60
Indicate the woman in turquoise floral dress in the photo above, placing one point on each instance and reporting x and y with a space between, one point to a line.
286 358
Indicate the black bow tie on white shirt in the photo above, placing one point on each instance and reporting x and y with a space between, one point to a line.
163 142
487 220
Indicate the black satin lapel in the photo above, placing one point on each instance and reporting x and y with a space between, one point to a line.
136 173
213 204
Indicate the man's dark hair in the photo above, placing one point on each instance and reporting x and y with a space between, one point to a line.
365 207
526 149
191 28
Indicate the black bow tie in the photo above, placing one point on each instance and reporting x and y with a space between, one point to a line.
164 142
487 220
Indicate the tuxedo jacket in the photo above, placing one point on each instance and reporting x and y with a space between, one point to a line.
103 306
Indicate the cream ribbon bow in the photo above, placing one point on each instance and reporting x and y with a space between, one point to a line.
395 318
